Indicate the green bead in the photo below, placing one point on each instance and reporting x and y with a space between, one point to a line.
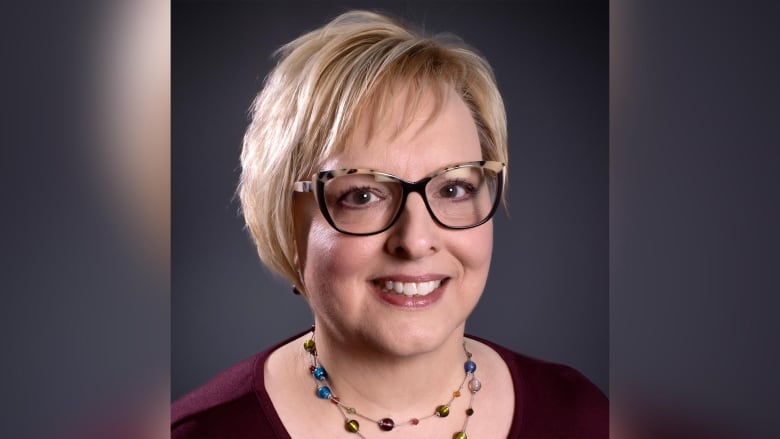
310 346
352 426
459 435
442 411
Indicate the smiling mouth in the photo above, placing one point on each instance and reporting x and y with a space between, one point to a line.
409 289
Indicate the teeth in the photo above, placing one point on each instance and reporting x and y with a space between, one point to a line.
411 288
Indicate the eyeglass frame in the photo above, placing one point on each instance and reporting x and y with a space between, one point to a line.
318 180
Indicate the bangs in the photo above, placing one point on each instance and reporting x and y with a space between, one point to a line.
365 85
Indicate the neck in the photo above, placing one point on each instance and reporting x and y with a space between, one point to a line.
377 380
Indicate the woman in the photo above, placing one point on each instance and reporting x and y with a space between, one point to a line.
386 153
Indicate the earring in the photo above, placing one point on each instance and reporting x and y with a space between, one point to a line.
295 289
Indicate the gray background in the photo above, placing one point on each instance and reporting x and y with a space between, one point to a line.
547 294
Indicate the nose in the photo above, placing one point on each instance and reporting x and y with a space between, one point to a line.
415 234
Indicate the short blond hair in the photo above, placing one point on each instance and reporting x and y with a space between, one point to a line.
312 99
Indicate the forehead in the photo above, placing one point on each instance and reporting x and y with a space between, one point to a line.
411 135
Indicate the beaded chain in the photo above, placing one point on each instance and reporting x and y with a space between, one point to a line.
323 390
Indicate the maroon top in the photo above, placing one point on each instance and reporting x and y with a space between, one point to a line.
551 401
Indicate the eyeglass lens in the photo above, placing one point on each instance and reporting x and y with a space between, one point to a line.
368 202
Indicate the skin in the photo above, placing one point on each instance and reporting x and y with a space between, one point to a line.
339 270
362 339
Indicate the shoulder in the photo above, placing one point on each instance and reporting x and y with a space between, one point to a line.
228 386
554 400
233 404
227 399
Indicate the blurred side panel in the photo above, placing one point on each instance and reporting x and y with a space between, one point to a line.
694 212
86 241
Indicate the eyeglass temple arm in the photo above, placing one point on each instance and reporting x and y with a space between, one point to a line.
302 186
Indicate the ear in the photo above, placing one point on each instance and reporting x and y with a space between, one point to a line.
299 232
297 261
298 269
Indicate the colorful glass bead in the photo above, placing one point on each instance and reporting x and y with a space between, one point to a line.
324 392
456 393
475 385
459 435
442 411
470 366
469 411
352 426
386 424
310 346
351 410
414 421
319 373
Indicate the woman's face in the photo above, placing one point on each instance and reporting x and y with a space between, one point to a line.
346 276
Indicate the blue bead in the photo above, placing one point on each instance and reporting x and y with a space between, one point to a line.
323 392
319 373
470 366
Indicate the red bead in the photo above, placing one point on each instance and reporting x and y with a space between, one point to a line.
414 421
386 424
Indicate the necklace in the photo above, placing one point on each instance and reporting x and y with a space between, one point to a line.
323 391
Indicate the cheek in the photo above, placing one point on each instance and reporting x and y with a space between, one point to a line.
335 258
476 249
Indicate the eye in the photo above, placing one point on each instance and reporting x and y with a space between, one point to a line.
457 190
359 197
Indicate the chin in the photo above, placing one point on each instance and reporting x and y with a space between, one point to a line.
418 339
